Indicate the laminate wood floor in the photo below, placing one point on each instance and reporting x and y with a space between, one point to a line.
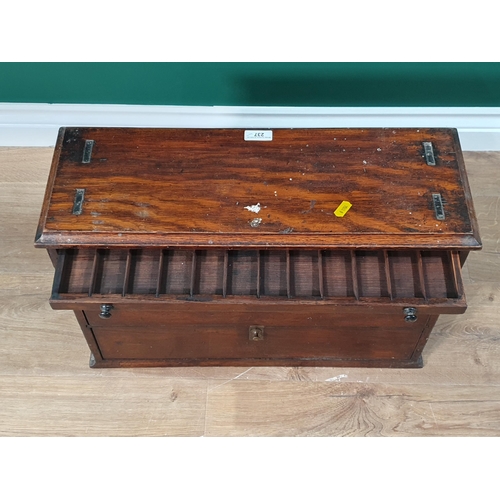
47 388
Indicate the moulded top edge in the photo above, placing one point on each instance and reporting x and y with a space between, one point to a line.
354 241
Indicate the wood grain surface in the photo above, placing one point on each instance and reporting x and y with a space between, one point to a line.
198 186
47 389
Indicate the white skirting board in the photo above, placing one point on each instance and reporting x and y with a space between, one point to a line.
37 124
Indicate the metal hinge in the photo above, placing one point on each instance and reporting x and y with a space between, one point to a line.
438 206
78 202
429 154
87 151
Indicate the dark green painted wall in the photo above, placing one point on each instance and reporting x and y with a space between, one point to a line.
254 84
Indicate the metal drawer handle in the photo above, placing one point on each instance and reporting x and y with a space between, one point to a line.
105 311
410 314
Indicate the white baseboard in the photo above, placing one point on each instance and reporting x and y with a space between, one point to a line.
37 124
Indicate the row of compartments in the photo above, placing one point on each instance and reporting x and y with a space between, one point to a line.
287 273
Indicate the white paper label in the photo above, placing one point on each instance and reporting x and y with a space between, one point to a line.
258 135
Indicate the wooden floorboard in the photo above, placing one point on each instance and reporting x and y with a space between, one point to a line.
266 408
117 406
47 388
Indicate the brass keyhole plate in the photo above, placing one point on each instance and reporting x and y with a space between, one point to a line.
256 332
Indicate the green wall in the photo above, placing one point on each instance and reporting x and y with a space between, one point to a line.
254 84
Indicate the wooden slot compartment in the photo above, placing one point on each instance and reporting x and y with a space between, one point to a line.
76 273
404 274
176 272
109 272
337 272
242 272
371 274
438 275
304 274
143 272
209 272
273 275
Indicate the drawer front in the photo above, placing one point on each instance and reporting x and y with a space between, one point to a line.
226 335
287 314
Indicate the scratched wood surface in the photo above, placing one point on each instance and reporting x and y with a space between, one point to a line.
199 187
47 389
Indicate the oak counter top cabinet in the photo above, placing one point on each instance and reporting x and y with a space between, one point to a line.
296 247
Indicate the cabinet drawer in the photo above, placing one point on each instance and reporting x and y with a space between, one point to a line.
229 336
336 278
172 307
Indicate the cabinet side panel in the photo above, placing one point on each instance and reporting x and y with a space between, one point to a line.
88 334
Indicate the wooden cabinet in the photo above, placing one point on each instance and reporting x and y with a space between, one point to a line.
185 247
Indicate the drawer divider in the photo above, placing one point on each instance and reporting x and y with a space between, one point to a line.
421 275
320 274
224 276
456 271
126 274
56 286
193 274
354 270
288 289
258 274
388 274
94 272
160 273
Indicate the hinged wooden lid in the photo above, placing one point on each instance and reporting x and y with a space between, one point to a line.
235 188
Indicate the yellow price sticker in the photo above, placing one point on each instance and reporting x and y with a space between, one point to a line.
342 209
